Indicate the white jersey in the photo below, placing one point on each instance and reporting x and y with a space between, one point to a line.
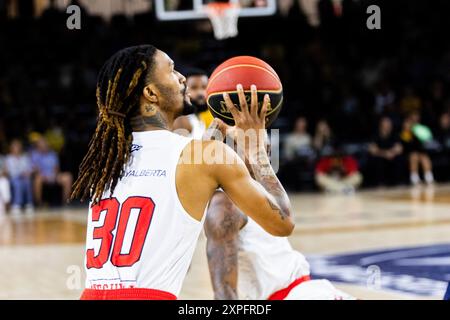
198 127
142 237
266 263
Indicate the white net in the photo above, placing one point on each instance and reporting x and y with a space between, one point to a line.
224 19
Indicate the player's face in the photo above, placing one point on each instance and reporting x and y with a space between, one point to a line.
171 85
197 88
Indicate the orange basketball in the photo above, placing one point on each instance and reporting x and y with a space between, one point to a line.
244 70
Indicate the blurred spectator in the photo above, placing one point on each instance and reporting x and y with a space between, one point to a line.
330 67
3 141
19 169
323 139
297 170
298 143
410 101
384 98
338 173
435 103
55 138
46 164
385 150
5 195
413 137
443 132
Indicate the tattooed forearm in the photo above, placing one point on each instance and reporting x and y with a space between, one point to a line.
263 173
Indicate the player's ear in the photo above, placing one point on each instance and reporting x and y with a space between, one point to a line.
150 93
149 100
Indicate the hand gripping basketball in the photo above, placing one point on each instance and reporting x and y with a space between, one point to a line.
247 71
248 118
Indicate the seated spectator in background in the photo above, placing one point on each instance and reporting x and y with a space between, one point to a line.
413 137
338 173
410 102
443 132
297 171
46 165
434 103
19 170
384 151
55 137
5 195
297 143
323 139
384 98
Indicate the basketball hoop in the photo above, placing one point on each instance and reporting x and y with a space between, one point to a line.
224 17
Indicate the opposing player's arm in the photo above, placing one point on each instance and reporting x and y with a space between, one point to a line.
182 126
222 225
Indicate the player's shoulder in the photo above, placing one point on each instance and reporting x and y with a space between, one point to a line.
207 152
212 160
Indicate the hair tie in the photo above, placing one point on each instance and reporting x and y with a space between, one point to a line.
115 113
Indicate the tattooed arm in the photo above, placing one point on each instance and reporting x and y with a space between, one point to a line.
262 198
222 225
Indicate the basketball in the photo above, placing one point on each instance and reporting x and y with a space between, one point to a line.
244 70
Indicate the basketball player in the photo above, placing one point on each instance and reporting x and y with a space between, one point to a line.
194 125
148 197
245 262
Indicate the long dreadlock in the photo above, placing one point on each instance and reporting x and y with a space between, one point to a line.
119 87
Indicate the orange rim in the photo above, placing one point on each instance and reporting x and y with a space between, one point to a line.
219 7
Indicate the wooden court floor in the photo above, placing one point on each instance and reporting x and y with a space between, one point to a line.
42 255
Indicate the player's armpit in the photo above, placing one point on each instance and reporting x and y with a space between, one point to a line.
222 225
266 202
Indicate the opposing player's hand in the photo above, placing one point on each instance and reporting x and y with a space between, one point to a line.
248 117
217 130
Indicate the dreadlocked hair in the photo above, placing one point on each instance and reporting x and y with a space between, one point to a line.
119 87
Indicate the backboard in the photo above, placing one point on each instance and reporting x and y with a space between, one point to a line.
167 10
